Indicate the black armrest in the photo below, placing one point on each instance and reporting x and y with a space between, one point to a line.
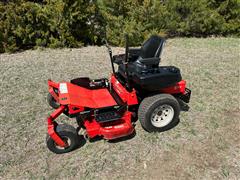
134 54
134 51
150 61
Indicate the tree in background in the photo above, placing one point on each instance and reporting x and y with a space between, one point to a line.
193 18
73 23
230 11
169 17
138 18
48 23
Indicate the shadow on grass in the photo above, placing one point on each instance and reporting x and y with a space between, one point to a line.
125 138
82 141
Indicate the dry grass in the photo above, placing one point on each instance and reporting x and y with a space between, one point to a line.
205 144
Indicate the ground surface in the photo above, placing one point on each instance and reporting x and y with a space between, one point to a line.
204 145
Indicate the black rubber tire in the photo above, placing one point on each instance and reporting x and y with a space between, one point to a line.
52 102
149 104
64 131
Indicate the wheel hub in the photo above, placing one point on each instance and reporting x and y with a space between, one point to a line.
162 115
67 142
159 113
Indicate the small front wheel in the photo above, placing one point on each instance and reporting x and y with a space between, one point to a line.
52 102
159 112
68 134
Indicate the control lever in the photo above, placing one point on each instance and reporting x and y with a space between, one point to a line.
108 47
110 54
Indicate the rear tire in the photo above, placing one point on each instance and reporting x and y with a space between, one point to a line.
68 134
52 102
159 112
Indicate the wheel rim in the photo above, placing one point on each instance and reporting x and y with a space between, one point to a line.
162 115
66 140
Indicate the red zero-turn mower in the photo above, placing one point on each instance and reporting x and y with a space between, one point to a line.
140 89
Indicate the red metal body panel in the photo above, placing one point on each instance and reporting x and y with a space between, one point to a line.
128 97
70 94
52 85
177 88
111 130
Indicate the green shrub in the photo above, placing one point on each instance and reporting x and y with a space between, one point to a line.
170 17
230 11
193 18
135 17
54 23
73 23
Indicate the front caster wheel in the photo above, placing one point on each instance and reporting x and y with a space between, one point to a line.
69 136
52 102
159 112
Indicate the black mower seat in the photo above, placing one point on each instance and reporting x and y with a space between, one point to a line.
152 47
149 57
148 54
151 50
144 73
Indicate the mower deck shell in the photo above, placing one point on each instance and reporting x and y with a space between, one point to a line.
110 130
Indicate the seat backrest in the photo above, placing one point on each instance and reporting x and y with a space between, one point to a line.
152 47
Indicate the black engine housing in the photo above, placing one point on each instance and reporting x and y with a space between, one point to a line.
153 79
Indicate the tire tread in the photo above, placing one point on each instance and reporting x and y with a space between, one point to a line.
147 103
